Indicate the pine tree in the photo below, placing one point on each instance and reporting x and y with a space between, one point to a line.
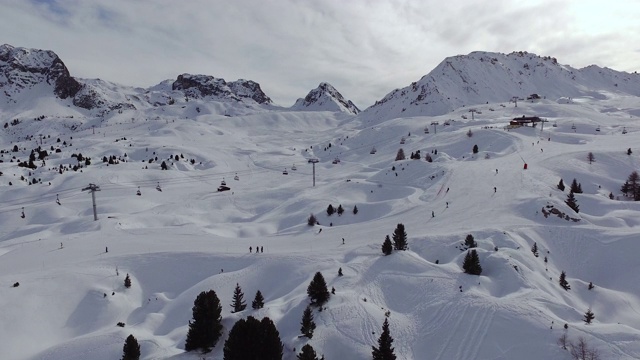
631 187
470 242
534 249
572 203
206 327
238 303
387 247
340 272
563 281
311 221
475 149
317 290
591 158
471 264
131 349
258 301
330 210
576 187
127 281
399 238
400 155
384 351
340 210
561 185
307 324
307 353
250 339
588 316
629 152
355 209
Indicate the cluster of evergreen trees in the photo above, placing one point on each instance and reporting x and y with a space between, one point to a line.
399 241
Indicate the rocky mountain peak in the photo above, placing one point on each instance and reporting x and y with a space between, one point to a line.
326 98
21 69
201 86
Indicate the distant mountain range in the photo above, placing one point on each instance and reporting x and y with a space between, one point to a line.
462 80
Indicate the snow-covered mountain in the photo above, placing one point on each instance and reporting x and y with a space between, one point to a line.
22 69
481 77
62 293
325 98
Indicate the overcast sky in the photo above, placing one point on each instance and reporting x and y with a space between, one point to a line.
365 48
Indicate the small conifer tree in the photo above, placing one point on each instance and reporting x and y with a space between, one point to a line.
330 210
534 249
475 149
400 238
387 247
317 290
400 155
563 281
572 202
307 353
589 316
470 242
384 351
238 303
340 210
258 301
340 272
561 185
591 157
312 221
629 152
471 264
127 281
307 324
355 209
131 349
576 187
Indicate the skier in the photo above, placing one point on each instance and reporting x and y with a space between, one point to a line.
494 189
250 249
342 241
447 204
496 171
433 214
261 249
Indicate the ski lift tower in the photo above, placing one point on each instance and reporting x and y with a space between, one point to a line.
435 123
313 161
514 99
472 111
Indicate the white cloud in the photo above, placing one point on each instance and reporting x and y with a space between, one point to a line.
364 48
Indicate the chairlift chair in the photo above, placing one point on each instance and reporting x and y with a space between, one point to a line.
373 150
158 187
285 172
573 127
335 161
624 130
223 183
236 177
138 192
426 130
598 128
293 167
402 140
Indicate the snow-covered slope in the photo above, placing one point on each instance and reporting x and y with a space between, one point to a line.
481 77
325 98
181 236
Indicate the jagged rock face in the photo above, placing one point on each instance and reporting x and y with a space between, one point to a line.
481 77
326 98
198 86
22 68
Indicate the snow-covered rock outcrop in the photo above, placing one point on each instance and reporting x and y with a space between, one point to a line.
205 86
